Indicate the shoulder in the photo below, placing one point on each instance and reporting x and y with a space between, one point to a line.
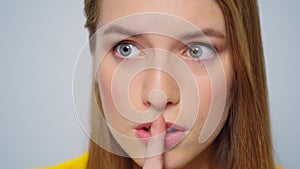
76 163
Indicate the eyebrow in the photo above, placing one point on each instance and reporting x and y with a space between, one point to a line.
119 30
210 32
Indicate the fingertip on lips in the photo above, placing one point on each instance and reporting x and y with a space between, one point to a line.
158 126
157 130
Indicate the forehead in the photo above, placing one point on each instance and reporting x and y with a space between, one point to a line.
201 13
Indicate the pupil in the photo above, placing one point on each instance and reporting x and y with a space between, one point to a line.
196 52
125 50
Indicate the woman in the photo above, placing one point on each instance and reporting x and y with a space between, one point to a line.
245 139
241 138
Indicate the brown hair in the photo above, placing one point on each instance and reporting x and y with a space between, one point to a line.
245 140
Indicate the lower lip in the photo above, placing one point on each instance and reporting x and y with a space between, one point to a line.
171 139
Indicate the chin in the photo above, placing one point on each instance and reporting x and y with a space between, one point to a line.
176 159
171 161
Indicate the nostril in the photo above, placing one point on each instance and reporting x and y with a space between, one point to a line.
158 99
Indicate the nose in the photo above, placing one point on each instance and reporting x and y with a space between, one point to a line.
159 90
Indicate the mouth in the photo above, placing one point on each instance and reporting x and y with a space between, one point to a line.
174 133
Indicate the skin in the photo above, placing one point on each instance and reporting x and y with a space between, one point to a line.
156 161
201 13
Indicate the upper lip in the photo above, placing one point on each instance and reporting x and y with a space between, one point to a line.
169 126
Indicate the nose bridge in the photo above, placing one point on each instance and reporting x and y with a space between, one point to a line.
159 88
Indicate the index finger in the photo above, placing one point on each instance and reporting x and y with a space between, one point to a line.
155 148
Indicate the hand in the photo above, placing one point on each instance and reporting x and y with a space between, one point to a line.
156 145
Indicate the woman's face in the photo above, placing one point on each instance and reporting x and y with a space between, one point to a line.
158 89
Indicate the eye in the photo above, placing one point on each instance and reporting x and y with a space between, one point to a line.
201 51
126 50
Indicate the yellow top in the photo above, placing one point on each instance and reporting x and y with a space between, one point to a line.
79 163
76 163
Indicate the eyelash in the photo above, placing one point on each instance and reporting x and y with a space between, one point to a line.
188 47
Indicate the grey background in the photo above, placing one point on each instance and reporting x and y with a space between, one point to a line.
39 43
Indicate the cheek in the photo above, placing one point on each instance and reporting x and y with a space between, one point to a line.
104 77
214 89
204 89
204 85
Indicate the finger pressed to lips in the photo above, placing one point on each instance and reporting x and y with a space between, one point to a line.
155 147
